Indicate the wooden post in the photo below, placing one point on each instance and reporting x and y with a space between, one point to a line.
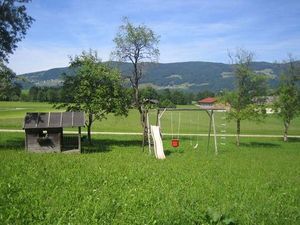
148 132
144 127
215 133
159 115
26 141
79 139
157 118
60 138
209 130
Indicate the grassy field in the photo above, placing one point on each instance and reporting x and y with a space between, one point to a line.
116 183
12 115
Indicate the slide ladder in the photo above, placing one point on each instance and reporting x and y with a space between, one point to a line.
157 142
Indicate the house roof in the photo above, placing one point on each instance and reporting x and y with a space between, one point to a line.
207 100
53 120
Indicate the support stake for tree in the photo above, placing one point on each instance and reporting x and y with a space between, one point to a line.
148 132
215 134
209 130
79 139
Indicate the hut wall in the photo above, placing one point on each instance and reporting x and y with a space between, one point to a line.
44 140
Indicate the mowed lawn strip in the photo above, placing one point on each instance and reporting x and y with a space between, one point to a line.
12 116
114 182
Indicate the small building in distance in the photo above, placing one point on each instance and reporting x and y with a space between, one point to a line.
44 131
212 103
268 102
207 102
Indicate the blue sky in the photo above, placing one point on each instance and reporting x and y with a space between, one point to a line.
190 30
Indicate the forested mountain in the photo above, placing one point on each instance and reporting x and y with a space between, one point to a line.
190 76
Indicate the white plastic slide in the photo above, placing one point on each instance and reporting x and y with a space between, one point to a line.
158 145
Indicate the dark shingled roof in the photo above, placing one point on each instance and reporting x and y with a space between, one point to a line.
53 120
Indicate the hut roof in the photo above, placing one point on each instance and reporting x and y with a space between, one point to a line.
53 120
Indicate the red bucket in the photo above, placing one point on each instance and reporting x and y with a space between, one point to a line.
175 143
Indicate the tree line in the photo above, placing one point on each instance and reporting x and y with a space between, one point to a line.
166 97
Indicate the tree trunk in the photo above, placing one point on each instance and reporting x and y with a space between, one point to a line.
137 98
138 104
142 114
286 127
89 127
144 125
238 131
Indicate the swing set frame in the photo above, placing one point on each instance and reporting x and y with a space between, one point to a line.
210 113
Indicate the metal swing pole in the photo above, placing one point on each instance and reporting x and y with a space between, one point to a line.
215 133
144 127
209 129
178 126
172 124
212 123
157 118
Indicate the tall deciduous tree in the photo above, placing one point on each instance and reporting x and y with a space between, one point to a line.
137 45
96 89
250 87
14 23
288 101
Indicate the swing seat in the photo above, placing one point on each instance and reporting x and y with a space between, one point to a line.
175 143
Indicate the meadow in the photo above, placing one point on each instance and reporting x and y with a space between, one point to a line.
115 182
12 116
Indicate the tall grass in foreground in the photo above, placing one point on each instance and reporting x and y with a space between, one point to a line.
114 182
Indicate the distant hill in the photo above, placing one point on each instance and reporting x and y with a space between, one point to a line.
190 76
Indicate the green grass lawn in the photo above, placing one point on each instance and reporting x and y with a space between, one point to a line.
12 115
114 182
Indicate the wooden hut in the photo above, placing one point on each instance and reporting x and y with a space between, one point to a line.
44 131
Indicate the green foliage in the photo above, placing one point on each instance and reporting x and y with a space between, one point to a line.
149 93
249 87
204 94
44 94
167 97
14 23
96 89
136 44
119 184
9 89
167 104
288 101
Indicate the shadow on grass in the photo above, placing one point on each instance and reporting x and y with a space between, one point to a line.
12 144
260 145
99 145
292 139
106 145
168 152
